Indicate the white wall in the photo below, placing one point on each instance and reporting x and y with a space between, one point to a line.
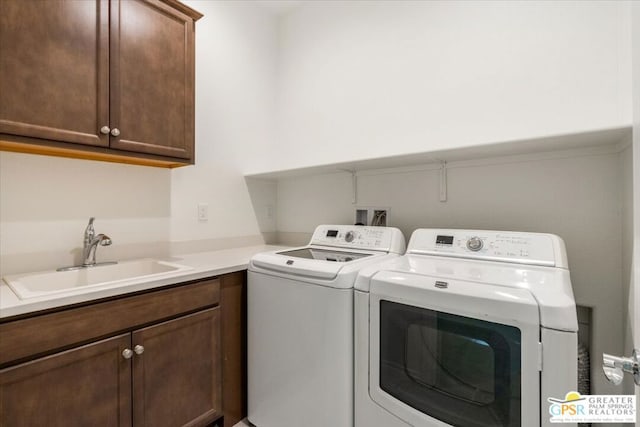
365 79
576 195
235 114
45 201
264 199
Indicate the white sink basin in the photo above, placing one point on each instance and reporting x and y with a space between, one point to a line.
33 285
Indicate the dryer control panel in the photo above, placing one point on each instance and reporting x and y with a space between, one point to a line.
506 246
387 239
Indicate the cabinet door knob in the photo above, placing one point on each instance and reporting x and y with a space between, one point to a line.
105 130
115 132
127 353
138 349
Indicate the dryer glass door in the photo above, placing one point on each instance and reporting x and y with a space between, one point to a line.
449 355
460 370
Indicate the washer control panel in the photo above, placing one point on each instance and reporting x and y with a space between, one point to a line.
516 247
386 239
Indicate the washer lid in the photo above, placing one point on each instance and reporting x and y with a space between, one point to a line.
333 267
323 254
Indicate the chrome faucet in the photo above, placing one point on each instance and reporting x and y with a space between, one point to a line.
91 242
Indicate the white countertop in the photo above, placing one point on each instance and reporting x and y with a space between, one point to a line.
203 265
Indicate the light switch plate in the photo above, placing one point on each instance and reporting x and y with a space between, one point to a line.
203 212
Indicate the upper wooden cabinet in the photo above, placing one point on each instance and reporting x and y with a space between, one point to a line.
152 78
54 70
105 79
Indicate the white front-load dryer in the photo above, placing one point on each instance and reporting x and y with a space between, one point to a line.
469 328
300 325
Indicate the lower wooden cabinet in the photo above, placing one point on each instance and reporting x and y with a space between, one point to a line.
233 331
85 386
176 380
165 374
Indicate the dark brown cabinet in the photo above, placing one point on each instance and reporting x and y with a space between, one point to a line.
54 70
88 385
152 78
163 371
104 79
176 379
233 330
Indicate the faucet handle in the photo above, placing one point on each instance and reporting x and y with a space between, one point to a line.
89 232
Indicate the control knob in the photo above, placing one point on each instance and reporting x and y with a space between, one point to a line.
474 244
349 236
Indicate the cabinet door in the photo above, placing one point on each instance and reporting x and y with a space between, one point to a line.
176 380
85 386
152 78
54 81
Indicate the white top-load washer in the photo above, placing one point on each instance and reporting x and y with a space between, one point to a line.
300 325
469 328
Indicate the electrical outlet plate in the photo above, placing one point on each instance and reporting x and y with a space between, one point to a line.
203 212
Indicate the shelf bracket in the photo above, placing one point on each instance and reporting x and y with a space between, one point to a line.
443 181
354 187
